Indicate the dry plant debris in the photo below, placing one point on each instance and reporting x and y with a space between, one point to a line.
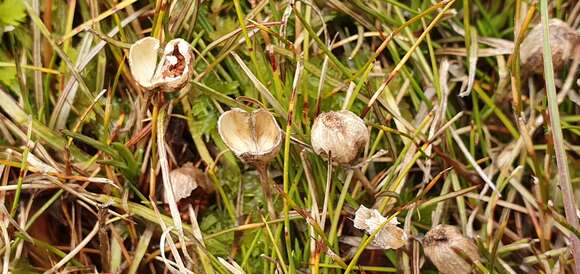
389 236
564 42
449 250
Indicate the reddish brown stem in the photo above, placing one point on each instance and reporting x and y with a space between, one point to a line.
265 182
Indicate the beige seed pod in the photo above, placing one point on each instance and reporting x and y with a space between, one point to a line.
342 133
254 137
185 180
444 245
173 70
563 41
389 237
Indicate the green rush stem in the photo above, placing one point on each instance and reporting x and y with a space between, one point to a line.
227 202
338 210
275 246
562 164
396 32
23 169
37 214
315 226
197 140
340 66
152 177
286 179
16 51
434 67
50 248
251 248
206 157
357 88
405 58
364 268
306 56
466 24
64 57
403 175
158 20
520 37
250 47
502 117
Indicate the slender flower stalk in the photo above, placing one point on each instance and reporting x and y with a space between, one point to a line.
255 138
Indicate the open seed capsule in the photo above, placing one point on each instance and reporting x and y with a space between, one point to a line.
173 70
254 137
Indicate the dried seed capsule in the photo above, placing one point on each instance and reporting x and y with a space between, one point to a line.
176 65
390 237
143 61
446 247
173 70
342 133
563 41
254 137
185 180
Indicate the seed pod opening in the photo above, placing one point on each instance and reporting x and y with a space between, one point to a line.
143 61
445 246
342 133
563 41
172 71
254 137
184 181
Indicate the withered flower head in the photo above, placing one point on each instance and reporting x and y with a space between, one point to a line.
254 137
389 237
172 71
563 41
449 250
185 180
342 133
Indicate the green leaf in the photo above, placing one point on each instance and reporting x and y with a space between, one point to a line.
7 74
12 12
92 142
8 77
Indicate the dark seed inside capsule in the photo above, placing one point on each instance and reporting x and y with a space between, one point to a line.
178 68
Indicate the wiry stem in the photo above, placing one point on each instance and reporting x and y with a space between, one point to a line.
152 168
265 182
104 247
364 181
562 164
